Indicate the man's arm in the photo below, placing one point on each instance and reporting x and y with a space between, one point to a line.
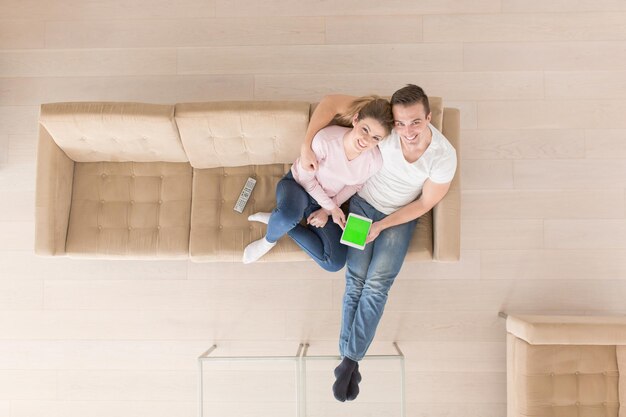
432 193
324 113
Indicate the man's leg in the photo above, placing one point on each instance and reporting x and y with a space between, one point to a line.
346 386
389 250
357 264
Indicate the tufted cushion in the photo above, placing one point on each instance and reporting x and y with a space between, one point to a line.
436 108
421 246
130 209
565 380
621 364
219 233
242 133
94 132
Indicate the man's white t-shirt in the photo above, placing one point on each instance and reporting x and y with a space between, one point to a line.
399 183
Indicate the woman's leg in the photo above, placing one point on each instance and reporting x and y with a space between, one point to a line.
322 244
291 201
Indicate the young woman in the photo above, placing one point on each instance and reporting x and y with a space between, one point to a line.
346 158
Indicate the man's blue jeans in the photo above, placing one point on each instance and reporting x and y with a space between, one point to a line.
293 204
369 276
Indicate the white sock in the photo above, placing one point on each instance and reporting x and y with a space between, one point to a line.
260 217
255 250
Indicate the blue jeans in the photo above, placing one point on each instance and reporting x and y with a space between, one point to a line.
293 204
369 276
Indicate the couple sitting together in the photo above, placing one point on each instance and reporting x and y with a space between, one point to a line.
394 166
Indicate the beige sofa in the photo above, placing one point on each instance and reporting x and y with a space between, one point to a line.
132 180
563 366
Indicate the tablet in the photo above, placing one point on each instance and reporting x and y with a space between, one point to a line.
356 230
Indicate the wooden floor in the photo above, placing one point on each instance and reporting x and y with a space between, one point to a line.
542 91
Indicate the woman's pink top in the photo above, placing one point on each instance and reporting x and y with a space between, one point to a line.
336 178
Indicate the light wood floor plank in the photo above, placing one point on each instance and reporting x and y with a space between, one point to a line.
87 62
22 34
474 387
524 144
19 119
486 174
502 234
552 114
106 9
129 295
153 33
540 204
226 8
104 408
583 264
451 86
575 85
325 59
142 88
526 27
371 29
127 385
524 6
107 325
445 409
101 355
548 56
26 266
422 326
605 143
28 385
585 234
21 295
570 174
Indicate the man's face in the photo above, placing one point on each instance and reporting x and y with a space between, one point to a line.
410 121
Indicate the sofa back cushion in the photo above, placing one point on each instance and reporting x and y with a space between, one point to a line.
229 134
114 132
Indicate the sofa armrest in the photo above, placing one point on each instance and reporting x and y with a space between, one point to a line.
55 174
568 330
447 213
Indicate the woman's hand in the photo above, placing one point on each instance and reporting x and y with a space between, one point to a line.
318 218
339 217
308 159
374 232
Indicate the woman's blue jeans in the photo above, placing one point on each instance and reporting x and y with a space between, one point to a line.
369 276
293 204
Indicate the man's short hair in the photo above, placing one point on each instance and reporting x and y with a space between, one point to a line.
409 95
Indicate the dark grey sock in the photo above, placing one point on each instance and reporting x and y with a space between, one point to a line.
353 386
343 374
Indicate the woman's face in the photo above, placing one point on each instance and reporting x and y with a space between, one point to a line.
366 134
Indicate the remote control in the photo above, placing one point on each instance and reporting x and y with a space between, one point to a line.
245 195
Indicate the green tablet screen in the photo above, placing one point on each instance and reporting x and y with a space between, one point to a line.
356 230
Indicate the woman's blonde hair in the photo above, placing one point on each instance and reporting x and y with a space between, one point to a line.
372 107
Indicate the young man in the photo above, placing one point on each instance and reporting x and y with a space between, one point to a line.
418 166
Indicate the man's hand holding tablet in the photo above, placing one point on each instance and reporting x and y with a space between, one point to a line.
356 230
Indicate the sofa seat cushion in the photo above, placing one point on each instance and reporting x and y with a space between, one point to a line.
421 246
565 380
130 210
219 233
